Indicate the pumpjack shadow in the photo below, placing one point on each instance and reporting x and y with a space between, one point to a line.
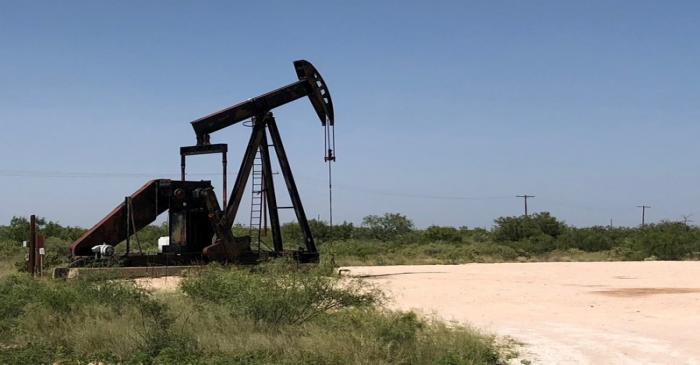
200 230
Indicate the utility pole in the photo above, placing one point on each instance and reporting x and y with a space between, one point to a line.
644 209
525 196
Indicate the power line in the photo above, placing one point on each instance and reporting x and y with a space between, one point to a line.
61 174
379 192
417 196
109 175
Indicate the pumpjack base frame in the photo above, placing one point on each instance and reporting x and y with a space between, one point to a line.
171 259
123 272
154 271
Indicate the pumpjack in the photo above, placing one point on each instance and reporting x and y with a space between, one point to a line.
200 230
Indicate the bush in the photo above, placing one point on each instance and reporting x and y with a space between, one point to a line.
18 230
523 227
514 229
349 336
388 226
403 338
445 234
321 231
116 322
276 293
100 320
587 239
666 241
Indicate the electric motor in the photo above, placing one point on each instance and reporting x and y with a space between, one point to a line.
103 250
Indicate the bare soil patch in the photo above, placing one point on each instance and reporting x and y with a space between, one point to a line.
162 284
563 313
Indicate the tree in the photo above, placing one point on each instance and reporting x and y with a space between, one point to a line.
388 226
445 234
519 228
18 230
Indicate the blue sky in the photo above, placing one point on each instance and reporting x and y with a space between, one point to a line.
444 110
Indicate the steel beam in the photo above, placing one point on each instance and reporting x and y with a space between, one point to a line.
244 171
291 185
270 195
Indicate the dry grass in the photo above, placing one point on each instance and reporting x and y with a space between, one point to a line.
228 316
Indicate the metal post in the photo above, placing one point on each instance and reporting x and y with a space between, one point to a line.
291 185
270 195
204 150
243 173
128 224
265 212
224 163
31 263
182 166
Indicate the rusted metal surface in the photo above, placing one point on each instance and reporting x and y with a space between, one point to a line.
194 211
291 185
35 250
111 229
310 84
227 246
319 95
152 199
31 259
239 185
221 148
270 196
231 250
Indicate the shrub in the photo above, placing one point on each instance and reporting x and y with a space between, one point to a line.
666 241
276 293
18 230
514 229
445 234
403 338
100 320
524 227
15 292
388 226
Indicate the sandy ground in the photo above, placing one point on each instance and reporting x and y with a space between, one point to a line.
165 284
563 313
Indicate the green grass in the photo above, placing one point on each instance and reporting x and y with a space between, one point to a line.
273 314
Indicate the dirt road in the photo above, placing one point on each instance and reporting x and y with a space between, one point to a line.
563 313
